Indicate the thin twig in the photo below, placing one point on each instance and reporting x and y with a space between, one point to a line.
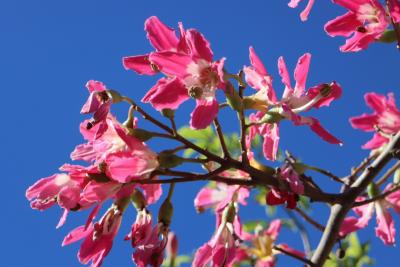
326 173
388 173
303 232
379 197
309 219
218 128
284 251
243 126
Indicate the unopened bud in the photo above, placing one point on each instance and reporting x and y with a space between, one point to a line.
233 98
138 200
373 190
140 134
168 113
195 92
168 160
114 95
165 213
229 213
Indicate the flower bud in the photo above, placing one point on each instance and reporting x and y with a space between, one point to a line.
373 190
229 213
141 134
168 160
138 200
168 113
233 98
165 213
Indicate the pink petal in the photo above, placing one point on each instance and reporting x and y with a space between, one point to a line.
294 3
304 14
152 192
358 42
353 5
123 166
204 113
292 250
394 10
271 141
376 142
76 235
202 256
376 101
385 229
283 72
343 25
160 36
349 225
198 45
317 128
335 93
63 218
256 62
95 86
98 192
300 73
274 228
365 212
167 93
365 122
172 63
139 64
84 152
69 196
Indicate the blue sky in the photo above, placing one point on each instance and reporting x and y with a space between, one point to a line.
49 49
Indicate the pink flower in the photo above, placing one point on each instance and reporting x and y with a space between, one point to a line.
191 72
384 120
365 22
263 243
385 229
151 251
141 229
294 100
277 196
58 188
120 156
98 237
222 249
221 195
98 103
304 14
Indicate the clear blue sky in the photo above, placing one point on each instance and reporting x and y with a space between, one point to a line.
49 49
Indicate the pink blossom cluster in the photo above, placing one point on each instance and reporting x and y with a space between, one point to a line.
121 169
365 21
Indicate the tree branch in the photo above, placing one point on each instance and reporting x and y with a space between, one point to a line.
340 210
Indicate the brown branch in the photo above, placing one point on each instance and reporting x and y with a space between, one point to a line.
258 177
355 171
221 138
340 210
242 120
379 197
297 257
388 173
308 219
